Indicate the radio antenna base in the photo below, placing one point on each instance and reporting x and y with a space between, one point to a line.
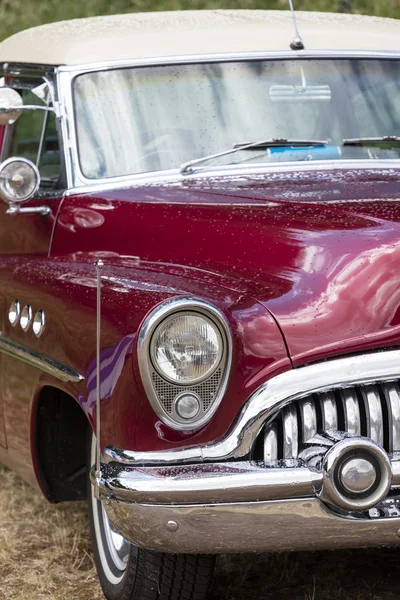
297 43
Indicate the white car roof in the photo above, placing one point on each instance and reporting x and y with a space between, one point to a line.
179 33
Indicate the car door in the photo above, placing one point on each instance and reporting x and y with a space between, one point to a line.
25 237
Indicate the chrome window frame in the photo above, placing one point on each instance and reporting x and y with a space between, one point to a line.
77 182
49 75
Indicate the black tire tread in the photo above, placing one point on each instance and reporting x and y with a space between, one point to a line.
161 576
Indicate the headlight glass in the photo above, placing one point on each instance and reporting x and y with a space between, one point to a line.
186 348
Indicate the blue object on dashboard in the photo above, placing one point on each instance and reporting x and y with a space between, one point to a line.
290 153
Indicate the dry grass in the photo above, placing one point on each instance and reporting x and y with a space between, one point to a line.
44 548
45 555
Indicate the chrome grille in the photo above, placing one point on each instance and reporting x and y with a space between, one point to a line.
372 411
167 392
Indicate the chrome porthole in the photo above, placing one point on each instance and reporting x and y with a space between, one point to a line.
26 317
14 313
39 323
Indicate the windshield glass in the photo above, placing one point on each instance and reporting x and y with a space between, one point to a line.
142 119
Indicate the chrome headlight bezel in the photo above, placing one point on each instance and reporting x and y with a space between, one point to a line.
153 347
149 373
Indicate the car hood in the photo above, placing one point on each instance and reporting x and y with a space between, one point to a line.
324 251
320 249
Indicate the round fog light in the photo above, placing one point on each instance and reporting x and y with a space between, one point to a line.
187 405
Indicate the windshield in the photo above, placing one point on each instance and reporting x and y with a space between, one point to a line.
136 120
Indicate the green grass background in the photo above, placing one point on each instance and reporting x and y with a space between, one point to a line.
20 14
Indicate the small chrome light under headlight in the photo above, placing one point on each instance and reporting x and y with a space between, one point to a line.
186 348
187 405
184 355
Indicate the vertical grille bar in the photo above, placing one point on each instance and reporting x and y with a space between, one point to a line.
308 419
374 412
351 411
368 410
392 395
290 433
271 444
329 412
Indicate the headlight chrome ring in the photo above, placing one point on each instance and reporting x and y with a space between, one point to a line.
186 348
184 356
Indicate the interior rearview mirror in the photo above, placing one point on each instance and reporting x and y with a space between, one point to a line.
300 93
10 106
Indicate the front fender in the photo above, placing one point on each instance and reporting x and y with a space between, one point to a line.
65 288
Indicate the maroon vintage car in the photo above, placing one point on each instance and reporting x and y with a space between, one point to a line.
200 299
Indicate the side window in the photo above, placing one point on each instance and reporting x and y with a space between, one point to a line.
34 136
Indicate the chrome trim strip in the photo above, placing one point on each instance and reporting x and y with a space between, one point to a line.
271 397
41 361
271 444
290 433
283 525
161 312
78 183
351 412
174 176
224 57
217 482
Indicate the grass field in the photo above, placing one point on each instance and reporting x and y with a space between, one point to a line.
45 555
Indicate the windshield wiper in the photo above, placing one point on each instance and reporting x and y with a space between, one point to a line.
370 141
187 167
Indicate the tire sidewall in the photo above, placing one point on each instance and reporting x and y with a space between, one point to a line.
113 581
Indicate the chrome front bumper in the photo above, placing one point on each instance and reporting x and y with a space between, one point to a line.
212 499
235 507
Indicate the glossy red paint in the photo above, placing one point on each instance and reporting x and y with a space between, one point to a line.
289 240
301 264
129 293
319 250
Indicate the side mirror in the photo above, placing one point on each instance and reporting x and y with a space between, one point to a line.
11 105
19 181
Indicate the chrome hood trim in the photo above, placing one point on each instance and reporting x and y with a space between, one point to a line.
270 398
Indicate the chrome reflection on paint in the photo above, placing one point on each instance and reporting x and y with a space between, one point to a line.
14 313
26 317
39 323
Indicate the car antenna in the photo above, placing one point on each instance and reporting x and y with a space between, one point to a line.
99 266
297 43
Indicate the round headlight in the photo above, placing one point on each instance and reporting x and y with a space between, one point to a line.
186 348
19 180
